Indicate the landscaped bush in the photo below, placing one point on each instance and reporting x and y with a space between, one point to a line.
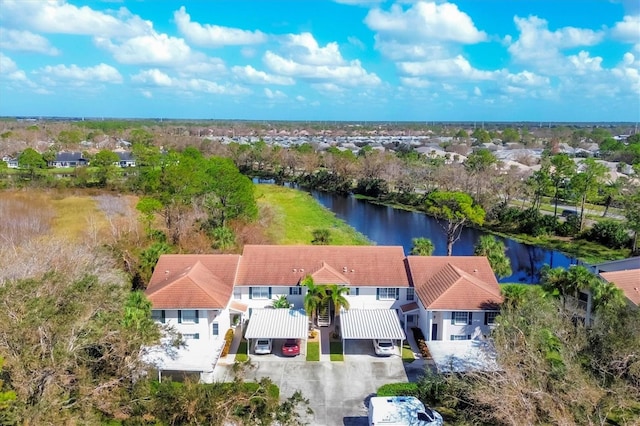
228 338
422 343
398 389
609 233
241 355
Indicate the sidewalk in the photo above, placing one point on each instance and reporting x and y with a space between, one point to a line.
325 333
233 350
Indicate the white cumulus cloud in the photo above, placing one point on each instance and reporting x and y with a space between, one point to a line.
159 79
455 68
214 35
539 47
153 49
102 73
302 57
274 94
421 30
58 16
25 41
253 76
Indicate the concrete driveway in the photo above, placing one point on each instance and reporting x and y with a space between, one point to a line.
338 392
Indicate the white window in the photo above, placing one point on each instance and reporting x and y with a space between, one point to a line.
216 329
410 293
188 316
460 337
460 318
237 293
388 293
188 336
260 293
295 291
353 291
490 318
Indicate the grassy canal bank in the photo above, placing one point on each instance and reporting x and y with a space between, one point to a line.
294 215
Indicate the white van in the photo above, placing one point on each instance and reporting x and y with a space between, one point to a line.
401 411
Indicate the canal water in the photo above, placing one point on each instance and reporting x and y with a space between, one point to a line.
388 226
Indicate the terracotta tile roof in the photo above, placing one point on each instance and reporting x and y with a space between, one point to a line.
628 281
238 306
356 265
454 283
409 307
192 281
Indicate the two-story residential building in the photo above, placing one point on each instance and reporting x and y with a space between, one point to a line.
202 296
458 296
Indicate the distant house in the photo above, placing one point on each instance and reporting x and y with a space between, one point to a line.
68 159
125 159
12 163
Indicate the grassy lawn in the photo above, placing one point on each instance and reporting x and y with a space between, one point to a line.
296 214
241 355
335 351
407 353
313 351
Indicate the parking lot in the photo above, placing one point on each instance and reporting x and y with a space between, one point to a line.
338 392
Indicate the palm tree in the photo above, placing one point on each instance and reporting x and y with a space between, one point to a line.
555 280
607 296
337 294
281 302
314 297
495 252
422 247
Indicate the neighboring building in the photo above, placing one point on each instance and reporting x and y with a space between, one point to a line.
624 274
68 159
202 296
458 296
12 163
126 159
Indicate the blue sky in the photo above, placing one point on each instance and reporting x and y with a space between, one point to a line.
351 60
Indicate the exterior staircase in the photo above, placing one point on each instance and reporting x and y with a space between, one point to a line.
324 315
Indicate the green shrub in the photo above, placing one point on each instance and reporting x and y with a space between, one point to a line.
398 389
609 233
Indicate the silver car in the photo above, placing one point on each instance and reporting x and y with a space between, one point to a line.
262 347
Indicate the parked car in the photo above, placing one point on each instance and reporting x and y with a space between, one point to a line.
262 347
290 347
384 347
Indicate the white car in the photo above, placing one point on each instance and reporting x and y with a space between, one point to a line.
262 347
384 347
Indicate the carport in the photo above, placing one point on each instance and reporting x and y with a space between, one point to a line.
369 324
278 324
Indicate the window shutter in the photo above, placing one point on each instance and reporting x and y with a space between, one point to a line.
179 316
453 318
196 336
377 294
162 314
486 318
470 317
290 291
197 319
269 292
357 291
250 292
397 293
